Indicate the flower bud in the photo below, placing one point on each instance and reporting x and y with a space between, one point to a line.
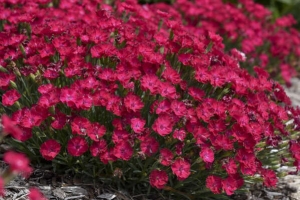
284 144
17 72
17 105
13 85
261 144
32 76
22 49
2 69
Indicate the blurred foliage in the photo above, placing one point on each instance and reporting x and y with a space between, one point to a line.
283 7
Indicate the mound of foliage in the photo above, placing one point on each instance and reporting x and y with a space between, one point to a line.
128 95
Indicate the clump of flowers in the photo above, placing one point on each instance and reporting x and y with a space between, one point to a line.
249 32
129 95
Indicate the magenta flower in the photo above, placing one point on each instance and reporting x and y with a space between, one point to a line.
50 149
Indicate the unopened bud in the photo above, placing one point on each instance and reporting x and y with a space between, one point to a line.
13 85
22 50
32 76
17 72
261 144
2 69
17 105
284 144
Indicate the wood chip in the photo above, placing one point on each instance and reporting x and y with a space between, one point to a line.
74 190
107 196
59 193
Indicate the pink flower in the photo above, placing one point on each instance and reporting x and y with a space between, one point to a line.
33 117
178 108
230 166
49 99
179 134
207 155
270 178
10 127
167 90
69 97
6 78
10 97
158 179
98 147
35 194
137 125
163 125
18 163
133 102
77 146
166 157
214 183
181 168
120 136
80 125
150 82
107 156
123 150
96 131
149 146
163 106
232 183
50 149
60 120
171 75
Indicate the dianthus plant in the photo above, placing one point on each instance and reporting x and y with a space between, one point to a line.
128 95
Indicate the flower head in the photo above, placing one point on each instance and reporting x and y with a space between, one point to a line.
181 168
35 194
158 179
50 149
10 97
123 150
166 157
17 162
77 146
214 183
149 146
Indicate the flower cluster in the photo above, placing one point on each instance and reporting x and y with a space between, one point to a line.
128 90
249 27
